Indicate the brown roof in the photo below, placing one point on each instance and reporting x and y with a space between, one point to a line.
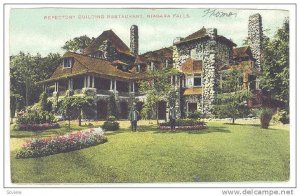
140 60
246 66
118 62
191 66
193 91
84 64
242 52
158 55
109 36
202 34
198 34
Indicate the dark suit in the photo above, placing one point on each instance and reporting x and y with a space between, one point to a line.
133 119
172 116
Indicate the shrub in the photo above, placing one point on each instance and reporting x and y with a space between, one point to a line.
58 144
37 127
110 126
36 121
111 118
281 117
195 115
265 116
36 118
184 124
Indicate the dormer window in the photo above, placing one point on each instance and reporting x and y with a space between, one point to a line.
68 62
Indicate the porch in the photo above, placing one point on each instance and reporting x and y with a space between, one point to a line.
101 86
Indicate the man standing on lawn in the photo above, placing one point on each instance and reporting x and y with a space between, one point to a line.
133 116
172 117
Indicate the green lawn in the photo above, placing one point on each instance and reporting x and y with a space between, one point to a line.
221 153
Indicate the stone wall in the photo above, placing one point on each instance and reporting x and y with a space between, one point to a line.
255 35
213 54
192 99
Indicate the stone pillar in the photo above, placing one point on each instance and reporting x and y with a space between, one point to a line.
84 82
255 34
115 85
111 84
134 40
210 71
133 86
56 87
129 86
88 81
93 81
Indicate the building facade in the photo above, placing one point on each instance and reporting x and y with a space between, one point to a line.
109 67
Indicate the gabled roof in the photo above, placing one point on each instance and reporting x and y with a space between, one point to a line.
108 35
197 35
191 66
202 34
140 60
242 52
158 55
84 64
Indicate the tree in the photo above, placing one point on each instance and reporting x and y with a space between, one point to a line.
157 88
26 70
77 43
275 65
15 100
231 99
73 106
45 104
112 106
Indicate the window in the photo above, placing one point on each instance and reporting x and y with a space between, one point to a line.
189 81
68 62
197 81
193 81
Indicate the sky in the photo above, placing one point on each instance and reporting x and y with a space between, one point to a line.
45 30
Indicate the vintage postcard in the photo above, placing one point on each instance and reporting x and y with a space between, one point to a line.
150 96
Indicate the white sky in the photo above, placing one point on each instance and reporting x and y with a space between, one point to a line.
31 32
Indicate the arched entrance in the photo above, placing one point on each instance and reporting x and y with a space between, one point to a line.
123 110
102 110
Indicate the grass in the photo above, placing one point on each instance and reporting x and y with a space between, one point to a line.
221 153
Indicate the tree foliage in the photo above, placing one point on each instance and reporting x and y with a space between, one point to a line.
73 106
275 65
77 43
45 104
157 88
26 70
112 106
231 100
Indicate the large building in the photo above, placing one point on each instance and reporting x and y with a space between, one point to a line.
109 67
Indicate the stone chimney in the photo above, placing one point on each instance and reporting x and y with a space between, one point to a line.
134 39
255 34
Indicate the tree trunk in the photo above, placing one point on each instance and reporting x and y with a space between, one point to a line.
79 118
69 122
157 113
233 120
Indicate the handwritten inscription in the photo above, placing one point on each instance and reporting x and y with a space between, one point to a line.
217 13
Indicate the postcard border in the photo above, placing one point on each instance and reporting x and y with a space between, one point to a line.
61 187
